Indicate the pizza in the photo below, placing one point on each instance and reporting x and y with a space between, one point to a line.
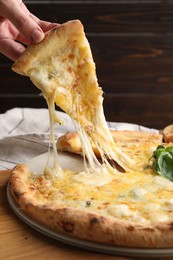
132 208
123 194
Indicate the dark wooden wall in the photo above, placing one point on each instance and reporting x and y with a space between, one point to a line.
132 45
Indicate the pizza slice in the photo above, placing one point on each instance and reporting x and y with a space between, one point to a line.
62 67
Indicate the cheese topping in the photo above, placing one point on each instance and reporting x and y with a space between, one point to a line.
142 201
98 178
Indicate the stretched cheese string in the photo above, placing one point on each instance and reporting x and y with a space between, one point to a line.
92 164
55 168
101 138
87 150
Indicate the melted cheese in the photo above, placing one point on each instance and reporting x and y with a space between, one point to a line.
98 178
55 169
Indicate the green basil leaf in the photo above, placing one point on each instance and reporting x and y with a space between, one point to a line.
163 161
159 150
169 149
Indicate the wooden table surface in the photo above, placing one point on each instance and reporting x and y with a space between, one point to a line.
19 241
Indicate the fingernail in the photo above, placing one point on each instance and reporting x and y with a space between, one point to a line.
37 36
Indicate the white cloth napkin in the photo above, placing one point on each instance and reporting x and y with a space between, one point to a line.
24 134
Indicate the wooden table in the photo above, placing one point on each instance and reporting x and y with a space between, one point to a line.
19 241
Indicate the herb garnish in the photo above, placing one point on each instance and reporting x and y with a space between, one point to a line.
162 161
88 203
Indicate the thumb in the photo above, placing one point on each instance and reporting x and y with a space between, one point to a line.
21 18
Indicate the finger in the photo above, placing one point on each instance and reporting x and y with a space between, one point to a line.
11 49
20 17
45 25
21 38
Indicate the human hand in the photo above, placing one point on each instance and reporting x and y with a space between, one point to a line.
18 26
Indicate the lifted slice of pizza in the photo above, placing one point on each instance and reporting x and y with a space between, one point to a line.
63 68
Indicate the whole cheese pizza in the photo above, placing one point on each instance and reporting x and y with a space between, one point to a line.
124 193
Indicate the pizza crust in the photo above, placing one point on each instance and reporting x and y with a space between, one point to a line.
70 142
84 224
46 47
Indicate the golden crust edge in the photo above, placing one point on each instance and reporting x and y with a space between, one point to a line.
24 63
